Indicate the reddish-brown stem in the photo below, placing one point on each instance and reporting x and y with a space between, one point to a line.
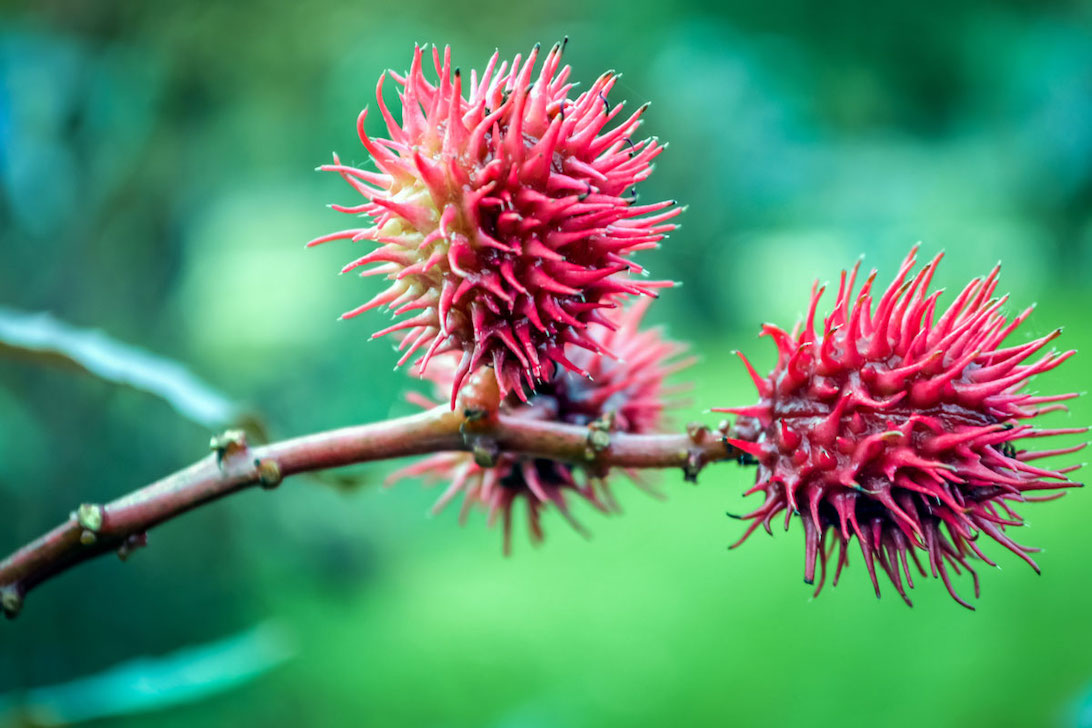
120 526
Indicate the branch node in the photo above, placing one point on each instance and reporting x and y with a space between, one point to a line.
88 538
90 517
485 451
605 421
694 463
269 473
132 543
598 440
473 414
599 435
226 444
11 600
480 397
694 457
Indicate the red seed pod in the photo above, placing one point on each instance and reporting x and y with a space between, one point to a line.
626 394
504 213
898 427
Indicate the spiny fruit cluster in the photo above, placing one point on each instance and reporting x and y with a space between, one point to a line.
504 217
899 430
626 394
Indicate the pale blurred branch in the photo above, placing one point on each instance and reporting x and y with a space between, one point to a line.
43 338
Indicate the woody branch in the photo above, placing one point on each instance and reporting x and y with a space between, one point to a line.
122 525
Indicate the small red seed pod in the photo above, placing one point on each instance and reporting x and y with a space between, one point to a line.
504 214
897 427
626 394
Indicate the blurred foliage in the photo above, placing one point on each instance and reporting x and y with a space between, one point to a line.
145 685
41 338
155 183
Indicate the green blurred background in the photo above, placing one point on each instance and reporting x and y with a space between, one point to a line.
155 182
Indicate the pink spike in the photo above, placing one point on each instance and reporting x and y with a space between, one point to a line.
763 387
748 447
340 235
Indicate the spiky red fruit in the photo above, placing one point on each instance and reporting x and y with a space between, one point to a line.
504 218
899 430
626 394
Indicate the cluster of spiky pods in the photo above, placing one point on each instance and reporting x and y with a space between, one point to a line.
899 430
503 216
